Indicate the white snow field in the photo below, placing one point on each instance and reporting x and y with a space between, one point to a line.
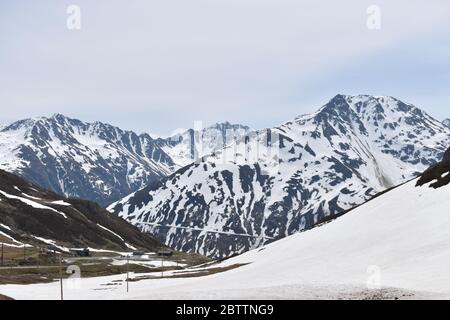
399 241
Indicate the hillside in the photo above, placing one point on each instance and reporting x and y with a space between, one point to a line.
395 246
30 215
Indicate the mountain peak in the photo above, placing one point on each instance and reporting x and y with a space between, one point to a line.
58 116
325 163
367 106
227 126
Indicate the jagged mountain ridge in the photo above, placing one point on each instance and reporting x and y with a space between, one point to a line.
329 161
446 122
30 215
188 146
93 161
97 161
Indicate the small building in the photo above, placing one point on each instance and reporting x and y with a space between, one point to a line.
165 253
82 252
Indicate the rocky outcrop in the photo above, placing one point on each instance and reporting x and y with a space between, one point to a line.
438 174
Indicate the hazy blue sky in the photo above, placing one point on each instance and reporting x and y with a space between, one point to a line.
155 66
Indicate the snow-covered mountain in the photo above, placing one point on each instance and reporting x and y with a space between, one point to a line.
93 161
446 122
189 145
279 181
100 162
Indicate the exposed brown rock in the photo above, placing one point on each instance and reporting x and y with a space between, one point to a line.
439 173
2 297
80 229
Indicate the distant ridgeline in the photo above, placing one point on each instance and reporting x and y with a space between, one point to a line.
439 172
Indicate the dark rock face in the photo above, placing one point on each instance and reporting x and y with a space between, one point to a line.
446 155
27 212
438 174
351 149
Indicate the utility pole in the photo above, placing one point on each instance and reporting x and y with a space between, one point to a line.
61 277
2 255
128 272
38 260
162 267
24 252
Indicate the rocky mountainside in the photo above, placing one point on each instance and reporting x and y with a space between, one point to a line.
30 215
446 122
93 161
393 247
188 146
279 181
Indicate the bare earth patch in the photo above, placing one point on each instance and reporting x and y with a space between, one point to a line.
193 273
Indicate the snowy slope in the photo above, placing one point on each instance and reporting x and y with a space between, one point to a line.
316 166
398 242
186 147
93 161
